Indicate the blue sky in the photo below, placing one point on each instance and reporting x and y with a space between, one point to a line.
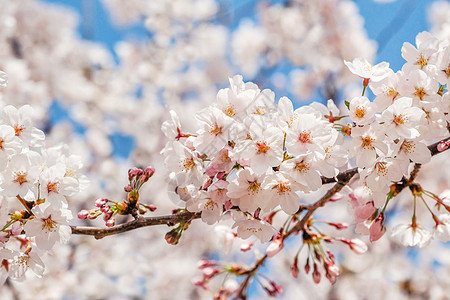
400 21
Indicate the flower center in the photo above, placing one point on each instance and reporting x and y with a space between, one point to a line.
302 167
283 187
21 177
53 187
382 168
262 147
261 110
187 164
229 110
408 147
360 111
422 61
253 187
305 136
19 129
215 129
400 119
367 142
420 92
391 92
48 225
210 205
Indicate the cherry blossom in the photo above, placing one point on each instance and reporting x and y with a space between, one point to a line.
364 69
49 226
411 235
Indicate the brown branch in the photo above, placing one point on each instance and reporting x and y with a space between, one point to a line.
169 220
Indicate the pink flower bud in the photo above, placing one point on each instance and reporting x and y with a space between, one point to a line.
209 272
198 281
316 274
127 188
83 214
151 207
110 223
205 263
133 172
105 208
107 216
377 229
294 268
307 267
100 202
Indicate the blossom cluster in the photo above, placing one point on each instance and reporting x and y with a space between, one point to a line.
252 158
35 182
390 134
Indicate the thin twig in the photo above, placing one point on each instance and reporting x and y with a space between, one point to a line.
170 220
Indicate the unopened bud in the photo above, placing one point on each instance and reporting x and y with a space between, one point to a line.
148 172
107 216
377 228
83 214
173 237
294 268
94 213
110 222
100 202
316 274
133 172
210 272
205 263
127 188
105 208
307 267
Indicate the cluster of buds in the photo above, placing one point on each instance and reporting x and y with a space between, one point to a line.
137 177
319 254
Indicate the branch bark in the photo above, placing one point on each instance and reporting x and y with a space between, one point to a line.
169 220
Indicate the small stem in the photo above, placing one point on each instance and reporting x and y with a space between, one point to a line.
24 203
